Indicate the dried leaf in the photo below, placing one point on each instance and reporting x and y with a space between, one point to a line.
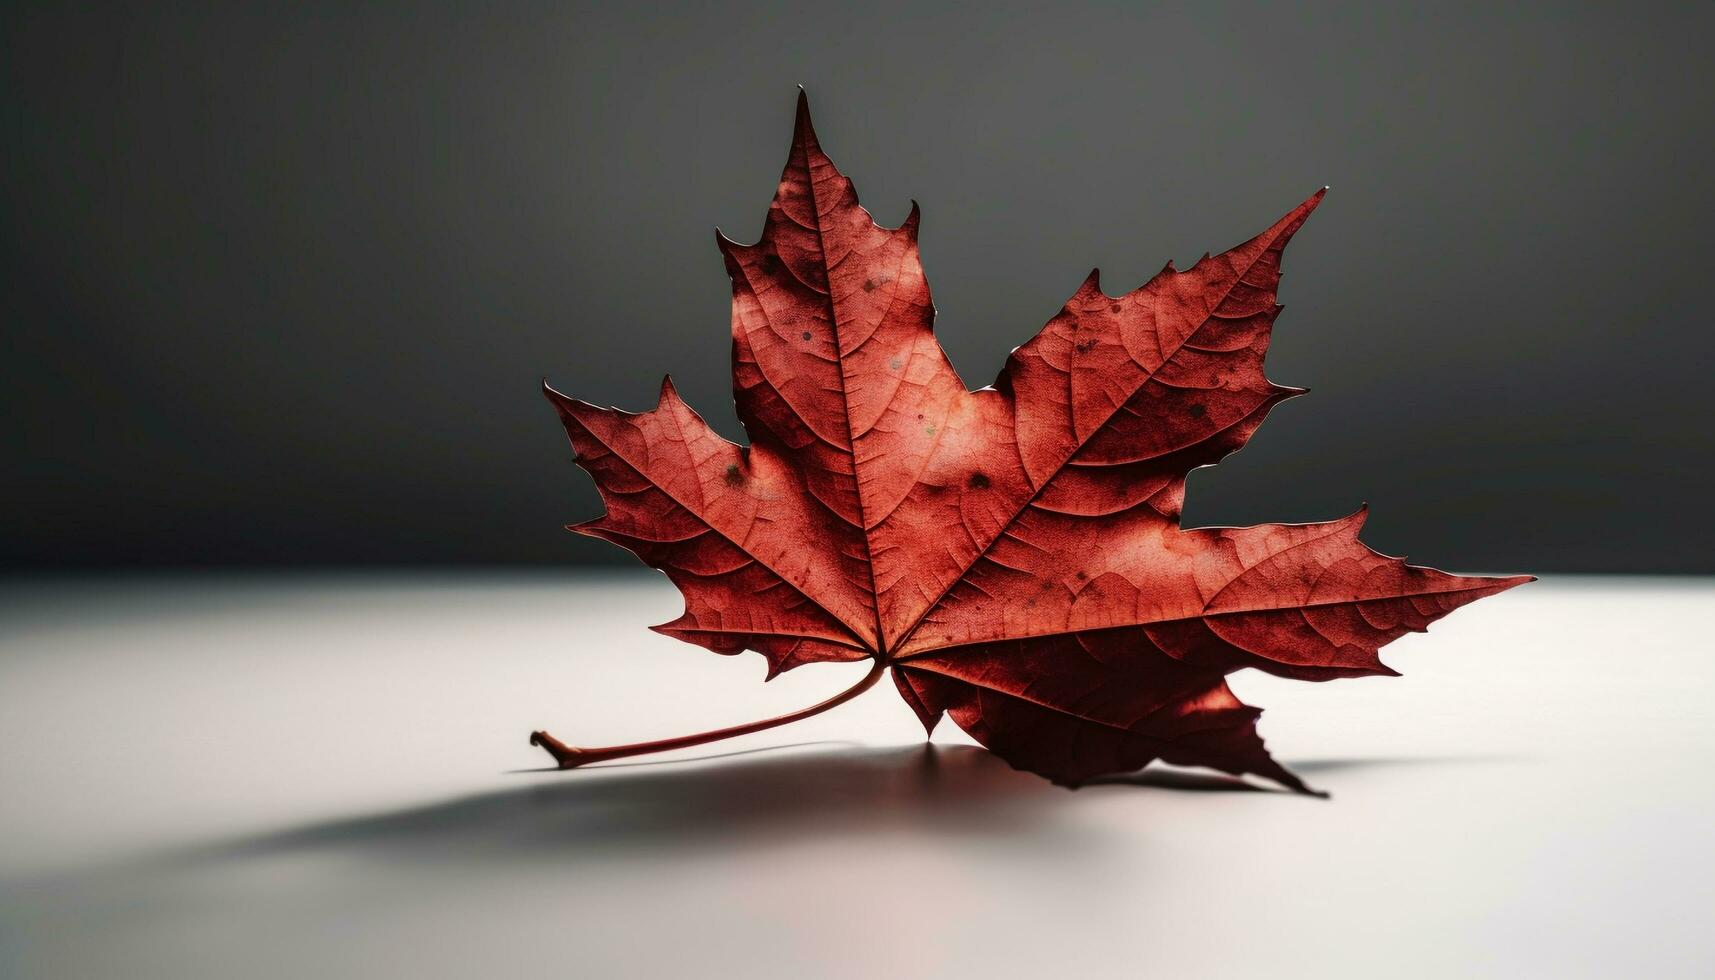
1012 554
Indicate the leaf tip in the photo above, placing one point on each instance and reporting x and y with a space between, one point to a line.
730 253
1310 204
561 401
591 528
802 130
1293 220
1289 779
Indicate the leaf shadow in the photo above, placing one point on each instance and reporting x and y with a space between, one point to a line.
1348 764
750 801
730 800
595 832
1204 781
757 797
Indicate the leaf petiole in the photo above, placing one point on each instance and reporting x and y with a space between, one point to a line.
569 757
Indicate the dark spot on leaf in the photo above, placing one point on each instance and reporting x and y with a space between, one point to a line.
1114 308
1198 411
806 335
894 365
1086 346
868 285
978 482
733 477
1083 575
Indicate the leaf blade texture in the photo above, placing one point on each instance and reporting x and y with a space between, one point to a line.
1013 553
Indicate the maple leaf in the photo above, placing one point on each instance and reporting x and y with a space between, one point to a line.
1013 555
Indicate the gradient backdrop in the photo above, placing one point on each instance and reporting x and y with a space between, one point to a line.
279 283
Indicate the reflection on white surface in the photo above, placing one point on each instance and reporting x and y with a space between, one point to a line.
290 775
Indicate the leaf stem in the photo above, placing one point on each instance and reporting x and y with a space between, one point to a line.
569 757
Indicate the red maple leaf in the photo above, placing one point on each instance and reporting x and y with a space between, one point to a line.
1013 554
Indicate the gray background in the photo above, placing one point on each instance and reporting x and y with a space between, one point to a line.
279 284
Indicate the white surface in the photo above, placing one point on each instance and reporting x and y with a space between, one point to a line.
293 776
